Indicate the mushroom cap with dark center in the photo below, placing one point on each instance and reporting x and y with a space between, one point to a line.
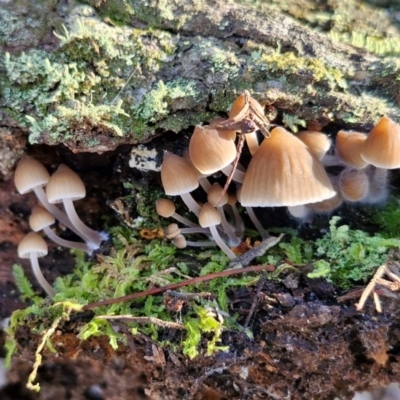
65 184
283 172
348 147
29 174
32 243
211 150
40 218
178 176
382 146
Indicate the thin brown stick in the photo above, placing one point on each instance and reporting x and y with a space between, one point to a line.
255 301
144 320
193 281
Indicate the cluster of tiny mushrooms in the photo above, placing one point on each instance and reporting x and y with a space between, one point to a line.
285 170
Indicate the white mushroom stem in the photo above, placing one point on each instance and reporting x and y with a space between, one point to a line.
205 184
39 275
221 243
197 229
332 161
238 175
89 234
239 224
378 185
264 234
183 220
190 203
252 142
66 243
200 244
51 208
233 239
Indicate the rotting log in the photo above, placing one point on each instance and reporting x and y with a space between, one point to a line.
110 72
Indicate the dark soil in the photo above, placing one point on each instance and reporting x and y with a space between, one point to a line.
306 343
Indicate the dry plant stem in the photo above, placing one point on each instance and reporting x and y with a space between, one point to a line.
52 209
264 234
377 301
144 320
66 243
90 235
255 301
39 276
222 245
370 287
234 167
255 252
193 281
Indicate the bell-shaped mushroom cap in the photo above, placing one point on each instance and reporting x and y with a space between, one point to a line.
209 216
226 133
179 241
32 243
353 184
382 146
65 184
210 149
348 148
214 195
178 176
29 174
165 207
317 142
283 172
40 218
171 231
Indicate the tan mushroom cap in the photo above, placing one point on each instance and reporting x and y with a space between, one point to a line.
171 231
178 176
283 172
382 146
32 243
317 142
40 218
65 184
227 134
179 241
328 205
165 207
209 216
29 174
210 149
353 184
214 195
348 147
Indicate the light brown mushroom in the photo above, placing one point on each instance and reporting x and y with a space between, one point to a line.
211 150
65 186
283 172
317 142
382 146
41 219
33 246
31 175
353 184
348 147
209 217
179 178
166 208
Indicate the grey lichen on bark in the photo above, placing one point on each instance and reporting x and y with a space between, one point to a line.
112 71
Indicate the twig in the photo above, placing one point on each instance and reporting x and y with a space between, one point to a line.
193 281
144 320
181 295
255 252
255 301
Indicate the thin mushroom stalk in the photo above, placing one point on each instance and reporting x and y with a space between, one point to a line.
65 186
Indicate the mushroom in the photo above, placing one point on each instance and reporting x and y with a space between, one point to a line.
209 217
378 185
42 219
353 184
179 178
317 142
180 242
283 172
328 205
172 230
348 147
33 246
166 208
65 186
300 212
30 175
382 146
210 149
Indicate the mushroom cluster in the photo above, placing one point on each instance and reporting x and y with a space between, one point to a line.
63 186
286 170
